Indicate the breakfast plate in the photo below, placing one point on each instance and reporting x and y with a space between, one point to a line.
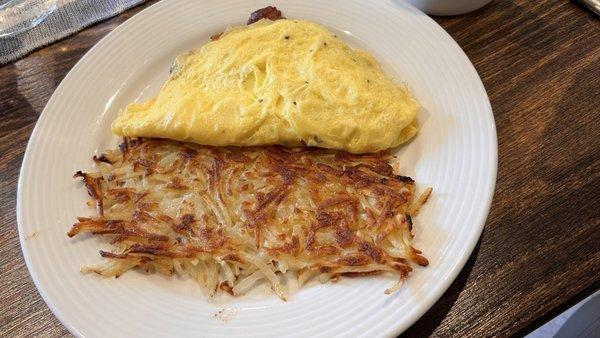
455 152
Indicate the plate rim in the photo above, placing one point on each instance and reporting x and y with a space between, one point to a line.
442 287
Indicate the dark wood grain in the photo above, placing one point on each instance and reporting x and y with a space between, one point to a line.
539 252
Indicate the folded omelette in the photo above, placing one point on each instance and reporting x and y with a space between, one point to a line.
287 82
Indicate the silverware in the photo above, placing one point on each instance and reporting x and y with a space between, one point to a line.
593 5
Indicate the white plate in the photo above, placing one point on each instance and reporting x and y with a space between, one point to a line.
455 152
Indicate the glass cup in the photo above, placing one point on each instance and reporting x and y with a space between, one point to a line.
19 15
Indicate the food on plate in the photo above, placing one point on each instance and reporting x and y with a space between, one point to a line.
262 155
286 82
269 12
231 216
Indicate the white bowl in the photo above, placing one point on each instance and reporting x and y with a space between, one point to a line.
448 7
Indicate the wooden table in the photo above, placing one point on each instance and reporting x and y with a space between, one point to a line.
540 250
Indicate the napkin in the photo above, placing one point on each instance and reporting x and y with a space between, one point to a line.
69 17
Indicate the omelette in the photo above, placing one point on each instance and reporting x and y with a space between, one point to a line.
284 82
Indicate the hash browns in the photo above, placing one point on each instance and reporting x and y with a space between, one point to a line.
229 216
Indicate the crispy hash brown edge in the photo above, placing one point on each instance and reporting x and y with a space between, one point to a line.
229 217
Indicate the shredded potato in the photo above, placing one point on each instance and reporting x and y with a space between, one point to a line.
231 217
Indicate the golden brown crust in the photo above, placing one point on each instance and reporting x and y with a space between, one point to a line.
309 209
